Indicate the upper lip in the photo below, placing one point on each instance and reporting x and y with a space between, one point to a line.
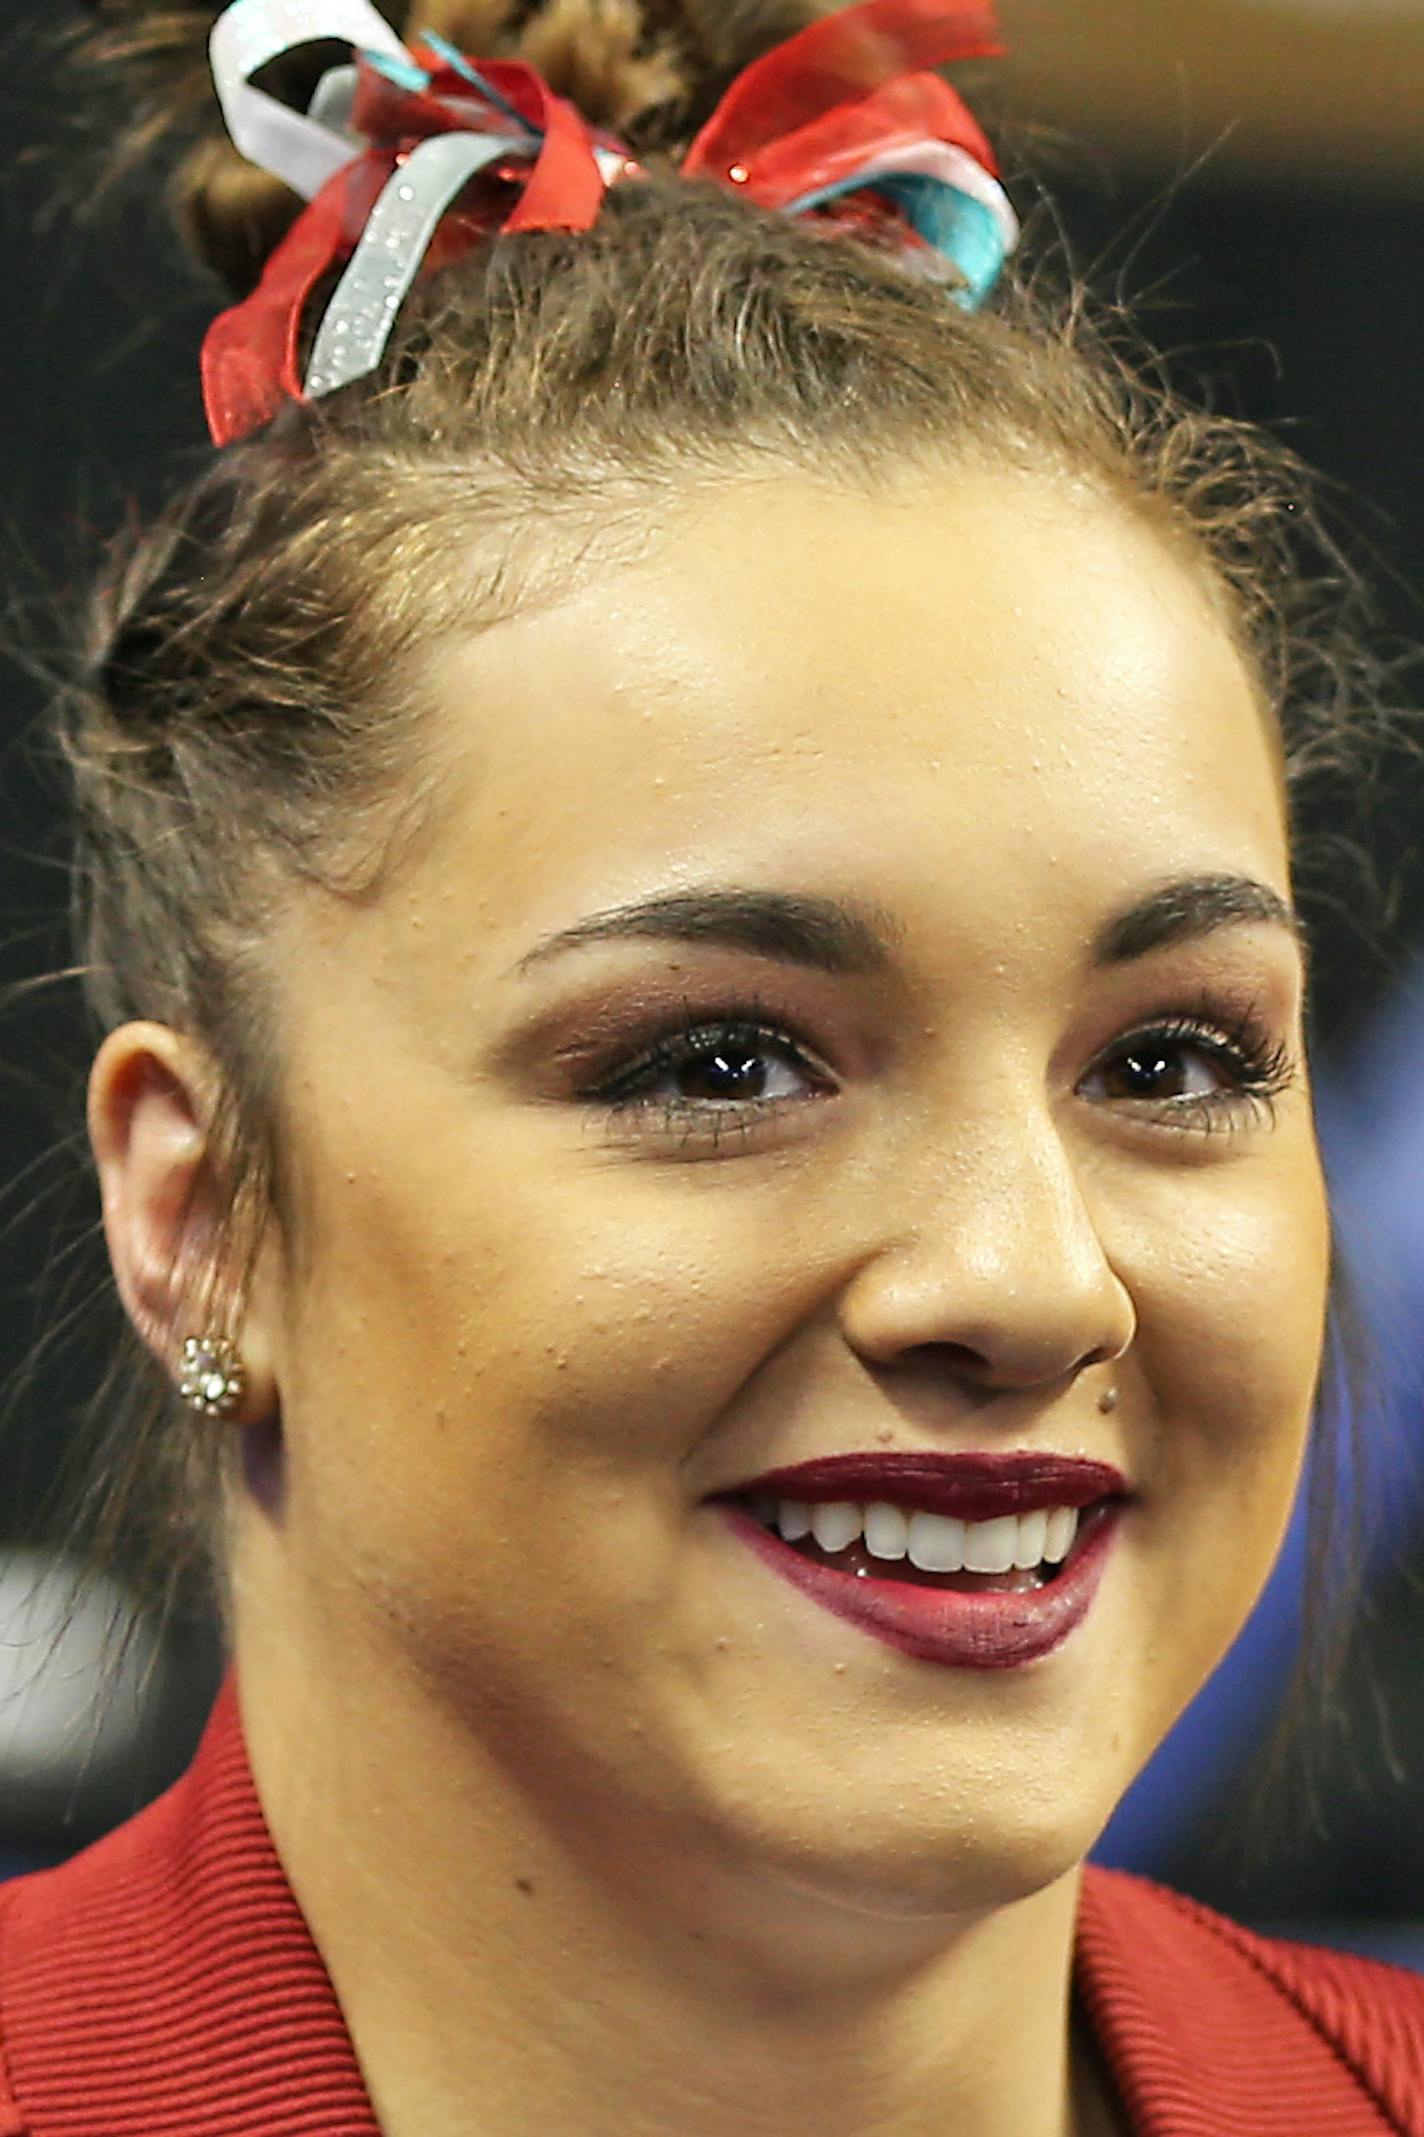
973 1487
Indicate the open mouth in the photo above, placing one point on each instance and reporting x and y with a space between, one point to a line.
1013 1554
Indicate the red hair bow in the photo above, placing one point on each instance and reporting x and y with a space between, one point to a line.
430 159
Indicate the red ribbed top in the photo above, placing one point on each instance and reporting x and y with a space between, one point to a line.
164 1983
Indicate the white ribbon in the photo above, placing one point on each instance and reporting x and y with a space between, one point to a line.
364 305
298 149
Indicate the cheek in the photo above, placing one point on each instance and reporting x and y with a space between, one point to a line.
1233 1319
1231 1323
525 1328
508 1374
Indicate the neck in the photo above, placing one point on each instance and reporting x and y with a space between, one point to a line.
504 1972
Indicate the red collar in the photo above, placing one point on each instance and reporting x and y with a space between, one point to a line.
164 1984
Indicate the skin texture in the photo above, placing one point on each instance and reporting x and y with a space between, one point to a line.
598 1825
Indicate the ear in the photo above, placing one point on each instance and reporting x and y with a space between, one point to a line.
150 1095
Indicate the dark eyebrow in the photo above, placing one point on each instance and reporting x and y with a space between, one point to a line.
858 940
1188 908
792 928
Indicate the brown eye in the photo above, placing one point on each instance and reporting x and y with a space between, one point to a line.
743 1069
1246 1067
1146 1065
714 1065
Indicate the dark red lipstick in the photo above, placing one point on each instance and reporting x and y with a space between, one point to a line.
958 1627
975 1487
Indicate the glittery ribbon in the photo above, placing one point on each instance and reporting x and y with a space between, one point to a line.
294 146
406 159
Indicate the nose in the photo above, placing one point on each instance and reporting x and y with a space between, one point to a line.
988 1264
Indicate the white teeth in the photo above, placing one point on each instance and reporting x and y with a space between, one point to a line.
886 1530
835 1524
989 1546
1033 1534
935 1543
1062 1528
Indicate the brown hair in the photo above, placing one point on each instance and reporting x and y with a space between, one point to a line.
249 711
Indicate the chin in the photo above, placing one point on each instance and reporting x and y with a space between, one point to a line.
954 1859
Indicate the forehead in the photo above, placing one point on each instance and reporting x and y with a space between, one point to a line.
996 687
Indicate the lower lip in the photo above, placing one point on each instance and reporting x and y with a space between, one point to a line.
987 1630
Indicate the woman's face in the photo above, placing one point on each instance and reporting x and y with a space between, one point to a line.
553 1300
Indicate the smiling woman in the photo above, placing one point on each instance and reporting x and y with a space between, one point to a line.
691 886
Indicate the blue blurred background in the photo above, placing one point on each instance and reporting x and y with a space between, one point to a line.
1257 168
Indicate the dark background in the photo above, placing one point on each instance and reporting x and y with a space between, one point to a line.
1290 286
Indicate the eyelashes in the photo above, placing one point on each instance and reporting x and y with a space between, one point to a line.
1259 1066
726 1043
740 1049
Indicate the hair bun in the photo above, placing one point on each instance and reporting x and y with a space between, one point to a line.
153 56
650 71
602 55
